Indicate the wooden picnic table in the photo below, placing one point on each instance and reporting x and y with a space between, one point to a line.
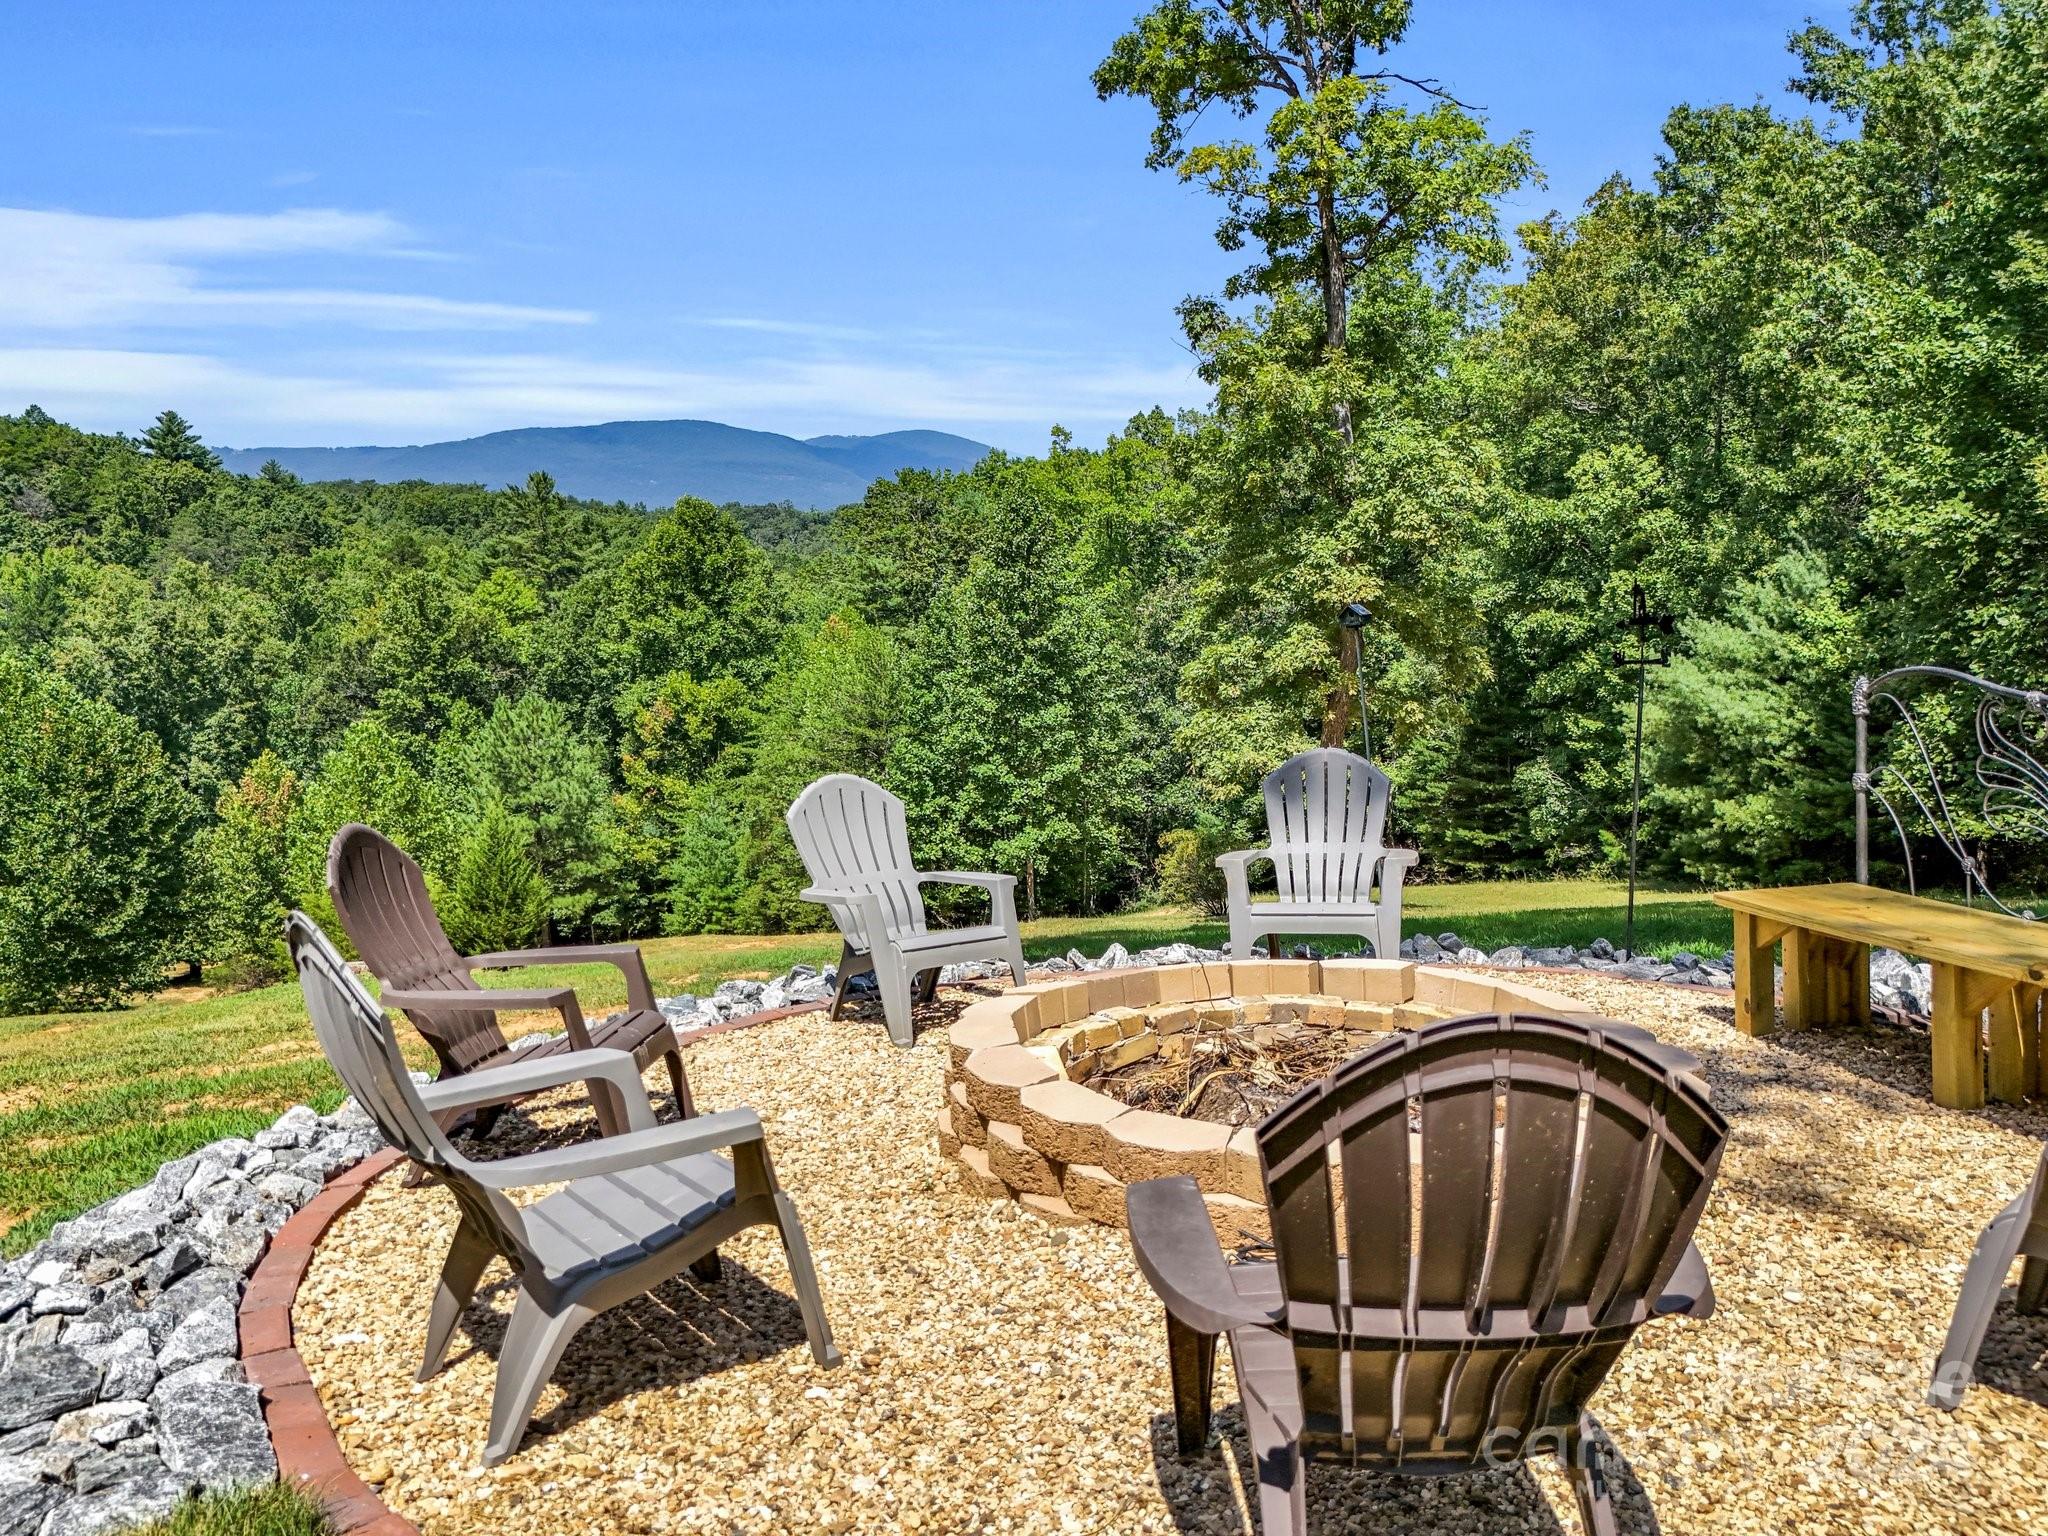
1981 960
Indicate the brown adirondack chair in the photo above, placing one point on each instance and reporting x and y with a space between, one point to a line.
1461 1258
382 901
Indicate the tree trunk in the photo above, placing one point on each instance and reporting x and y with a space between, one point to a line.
1030 888
1336 320
1337 702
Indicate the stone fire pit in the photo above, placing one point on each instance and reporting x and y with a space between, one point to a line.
1027 1116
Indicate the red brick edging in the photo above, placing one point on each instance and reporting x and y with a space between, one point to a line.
307 1451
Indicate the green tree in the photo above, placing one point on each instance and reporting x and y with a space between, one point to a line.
498 899
527 759
95 853
247 852
367 777
172 439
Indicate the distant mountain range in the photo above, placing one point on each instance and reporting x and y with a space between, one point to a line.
645 461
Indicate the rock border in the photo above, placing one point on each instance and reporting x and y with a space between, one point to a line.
308 1452
1023 1124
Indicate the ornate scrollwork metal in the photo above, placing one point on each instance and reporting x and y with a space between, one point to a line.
2011 738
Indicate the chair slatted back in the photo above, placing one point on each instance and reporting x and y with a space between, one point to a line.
1326 814
359 1044
1470 1222
853 836
381 897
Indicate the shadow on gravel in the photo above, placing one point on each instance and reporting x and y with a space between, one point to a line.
1212 1493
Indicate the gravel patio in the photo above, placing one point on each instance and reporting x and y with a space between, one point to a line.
1007 1376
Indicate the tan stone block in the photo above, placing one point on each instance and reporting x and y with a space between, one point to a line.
976 1175
1372 1016
1411 1016
1520 997
1176 1047
970 1034
1083 1066
1297 977
1050 1055
1053 1010
1012 1012
1094 1193
1439 988
1173 1019
1239 1174
1215 980
1219 1016
1255 1010
968 1124
1144 1144
949 1139
1064 1121
1239 1223
1128 1021
1370 981
1141 986
1124 1052
1179 983
1096 1033
1251 978
1326 1013
1017 1165
1053 1209
994 1078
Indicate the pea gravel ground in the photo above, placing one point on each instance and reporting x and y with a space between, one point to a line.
1006 1376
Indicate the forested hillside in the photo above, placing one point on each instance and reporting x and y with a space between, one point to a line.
1796 385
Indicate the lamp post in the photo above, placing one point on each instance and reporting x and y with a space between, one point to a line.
1642 620
1354 617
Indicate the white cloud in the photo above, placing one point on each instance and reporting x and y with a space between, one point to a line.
77 272
396 398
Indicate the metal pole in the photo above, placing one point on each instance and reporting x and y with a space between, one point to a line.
1635 805
1364 725
1859 704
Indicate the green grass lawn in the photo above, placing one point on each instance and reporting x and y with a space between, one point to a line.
91 1104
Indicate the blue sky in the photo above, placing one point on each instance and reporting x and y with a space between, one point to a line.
324 224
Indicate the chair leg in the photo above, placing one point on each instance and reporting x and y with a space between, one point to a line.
896 1008
708 1267
1242 935
1982 1282
680 1084
532 1349
1589 1482
2033 1287
809 1300
850 966
1283 1475
1192 1359
926 987
468 1257
1014 957
605 1105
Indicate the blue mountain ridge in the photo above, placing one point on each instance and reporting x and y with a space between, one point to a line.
651 462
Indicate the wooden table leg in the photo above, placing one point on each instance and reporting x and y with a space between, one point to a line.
2015 1045
1755 989
1960 998
1858 963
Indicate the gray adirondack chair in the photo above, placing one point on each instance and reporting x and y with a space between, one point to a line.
855 844
2020 1231
1326 816
382 901
635 1209
1510 1198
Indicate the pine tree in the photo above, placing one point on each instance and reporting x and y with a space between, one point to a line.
498 899
172 439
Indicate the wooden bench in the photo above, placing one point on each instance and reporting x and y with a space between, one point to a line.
1982 960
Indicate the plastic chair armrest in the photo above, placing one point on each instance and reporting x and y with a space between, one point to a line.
1176 1247
613 1154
